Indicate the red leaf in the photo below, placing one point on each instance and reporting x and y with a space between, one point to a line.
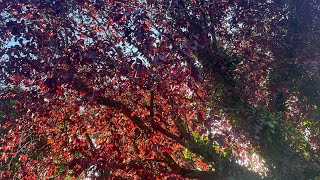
23 158
166 149
65 154
27 15
59 92
82 93
16 139
188 71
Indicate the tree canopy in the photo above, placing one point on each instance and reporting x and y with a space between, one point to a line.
166 89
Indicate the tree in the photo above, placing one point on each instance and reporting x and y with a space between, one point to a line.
159 89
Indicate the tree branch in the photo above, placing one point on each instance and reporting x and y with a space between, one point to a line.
208 154
90 142
107 101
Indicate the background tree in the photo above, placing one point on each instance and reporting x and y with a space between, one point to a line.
159 89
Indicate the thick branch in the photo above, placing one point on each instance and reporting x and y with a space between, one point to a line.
126 111
107 101
193 174
90 142
210 155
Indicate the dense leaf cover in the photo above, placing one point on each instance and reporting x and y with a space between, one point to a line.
146 89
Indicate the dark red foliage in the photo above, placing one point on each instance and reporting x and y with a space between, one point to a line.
124 88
